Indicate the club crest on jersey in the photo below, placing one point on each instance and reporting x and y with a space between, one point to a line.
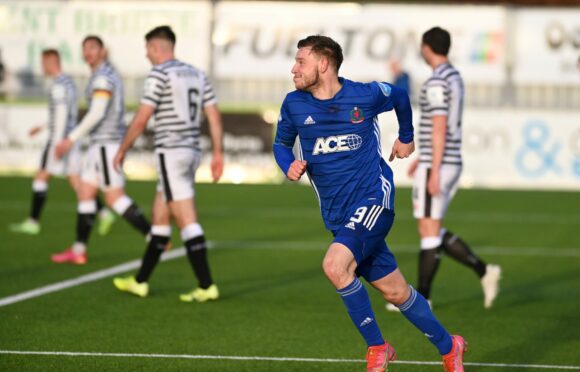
357 116
345 142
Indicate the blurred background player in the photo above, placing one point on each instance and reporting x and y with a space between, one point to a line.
438 168
63 110
400 77
177 95
105 125
335 121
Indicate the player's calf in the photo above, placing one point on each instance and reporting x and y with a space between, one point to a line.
160 235
196 247
125 207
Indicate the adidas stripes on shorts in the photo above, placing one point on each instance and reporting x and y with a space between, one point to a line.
364 235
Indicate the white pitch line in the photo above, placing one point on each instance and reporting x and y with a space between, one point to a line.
314 214
396 248
271 359
91 277
267 245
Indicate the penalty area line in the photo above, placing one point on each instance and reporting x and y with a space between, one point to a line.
271 359
87 278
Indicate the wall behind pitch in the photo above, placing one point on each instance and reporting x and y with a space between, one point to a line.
501 148
547 46
508 148
247 142
27 27
258 39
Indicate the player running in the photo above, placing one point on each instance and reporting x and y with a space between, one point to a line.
336 122
104 123
438 168
177 95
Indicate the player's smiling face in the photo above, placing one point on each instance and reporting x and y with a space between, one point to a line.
305 69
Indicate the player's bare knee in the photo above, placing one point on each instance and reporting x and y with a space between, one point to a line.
396 295
42 175
336 273
331 269
112 195
87 192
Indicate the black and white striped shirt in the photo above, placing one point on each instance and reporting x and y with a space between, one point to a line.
179 92
442 94
112 128
63 91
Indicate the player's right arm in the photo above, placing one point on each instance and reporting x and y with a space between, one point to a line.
101 96
58 96
286 135
102 93
136 128
151 96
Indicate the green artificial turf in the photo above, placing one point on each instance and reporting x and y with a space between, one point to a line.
268 246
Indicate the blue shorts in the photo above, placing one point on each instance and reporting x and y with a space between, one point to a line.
364 234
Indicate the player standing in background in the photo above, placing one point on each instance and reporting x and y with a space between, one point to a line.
336 122
438 168
104 123
177 95
401 78
63 110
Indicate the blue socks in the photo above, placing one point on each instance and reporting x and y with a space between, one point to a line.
416 309
357 302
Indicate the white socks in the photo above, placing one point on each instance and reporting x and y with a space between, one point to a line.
431 242
87 206
122 204
191 231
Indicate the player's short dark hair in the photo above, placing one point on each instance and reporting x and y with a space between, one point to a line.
161 32
51 52
324 46
94 38
438 39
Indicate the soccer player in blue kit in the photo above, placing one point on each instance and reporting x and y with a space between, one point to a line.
336 122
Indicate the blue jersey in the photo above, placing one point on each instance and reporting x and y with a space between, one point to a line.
340 140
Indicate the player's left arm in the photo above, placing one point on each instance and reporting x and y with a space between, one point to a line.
438 142
393 97
216 130
438 104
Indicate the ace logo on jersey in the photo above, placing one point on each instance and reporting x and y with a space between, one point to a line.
345 142
357 116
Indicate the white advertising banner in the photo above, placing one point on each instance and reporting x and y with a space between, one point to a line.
547 46
27 27
258 39
513 149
